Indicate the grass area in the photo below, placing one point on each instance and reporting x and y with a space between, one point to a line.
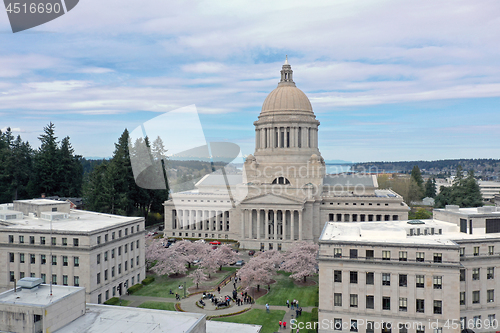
305 318
269 321
158 305
117 301
284 289
162 284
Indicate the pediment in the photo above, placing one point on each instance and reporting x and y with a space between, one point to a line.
274 199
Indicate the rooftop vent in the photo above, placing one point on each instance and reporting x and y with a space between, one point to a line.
54 216
29 282
453 208
10 215
415 222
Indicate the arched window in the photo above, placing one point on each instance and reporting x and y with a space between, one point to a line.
281 181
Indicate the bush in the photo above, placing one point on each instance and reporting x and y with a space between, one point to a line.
134 288
314 319
148 280
112 301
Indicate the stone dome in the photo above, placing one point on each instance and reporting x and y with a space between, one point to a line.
286 98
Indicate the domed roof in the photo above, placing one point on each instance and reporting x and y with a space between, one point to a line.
287 97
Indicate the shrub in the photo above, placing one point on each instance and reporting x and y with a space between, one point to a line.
134 288
148 280
112 301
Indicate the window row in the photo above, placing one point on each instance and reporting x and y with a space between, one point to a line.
476 296
386 279
386 255
475 251
76 279
113 234
43 259
119 251
490 273
386 303
362 217
98 277
43 240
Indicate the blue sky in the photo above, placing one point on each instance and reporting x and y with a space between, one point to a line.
388 80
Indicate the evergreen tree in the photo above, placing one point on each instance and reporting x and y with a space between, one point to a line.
46 163
70 173
464 192
430 188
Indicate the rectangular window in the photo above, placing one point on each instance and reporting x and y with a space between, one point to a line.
119 250
420 281
54 279
131 263
420 306
113 271
476 251
438 307
403 280
491 250
370 302
463 225
107 295
462 251
98 278
492 225
11 239
490 296
420 256
106 256
65 280
369 254
337 299
137 244
386 279
65 241
462 274
477 322
131 246
403 256
353 253
32 258
98 239
98 258
106 275
65 260
354 325
126 247
76 281
126 231
21 239
119 268
337 276
403 304
475 273
53 241
54 260
437 281
112 253
438 257
12 276
43 277
353 303
353 276
337 324
119 233
462 298
43 260
105 238
113 235
32 239
370 327
42 240
137 260
386 303
75 242
76 261
11 257
386 255
114 291
490 273
475 297
370 278
21 275
337 252
126 265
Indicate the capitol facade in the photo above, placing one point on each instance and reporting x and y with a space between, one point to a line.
283 193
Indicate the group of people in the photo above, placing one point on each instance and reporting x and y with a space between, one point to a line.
294 304
282 323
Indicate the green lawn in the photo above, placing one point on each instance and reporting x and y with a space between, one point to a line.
284 289
269 321
305 318
162 284
158 305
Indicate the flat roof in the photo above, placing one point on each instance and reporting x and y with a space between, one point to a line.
397 232
225 327
38 296
105 318
41 201
78 221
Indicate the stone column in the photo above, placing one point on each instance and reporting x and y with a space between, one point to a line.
279 137
300 224
266 224
275 225
250 221
258 223
292 225
242 218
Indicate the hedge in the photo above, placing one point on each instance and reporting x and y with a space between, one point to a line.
112 301
148 280
134 288
314 319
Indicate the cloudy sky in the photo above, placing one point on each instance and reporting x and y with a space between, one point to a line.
388 80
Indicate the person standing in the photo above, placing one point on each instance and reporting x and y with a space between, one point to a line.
284 325
218 289
267 307
279 323
288 303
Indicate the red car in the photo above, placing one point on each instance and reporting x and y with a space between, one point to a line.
215 243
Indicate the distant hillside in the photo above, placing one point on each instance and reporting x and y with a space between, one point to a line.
483 168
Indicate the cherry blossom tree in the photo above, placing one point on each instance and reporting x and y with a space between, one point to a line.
301 260
259 269
198 276
165 261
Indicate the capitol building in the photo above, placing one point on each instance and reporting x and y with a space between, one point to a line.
283 193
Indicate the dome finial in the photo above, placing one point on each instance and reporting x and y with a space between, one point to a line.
286 59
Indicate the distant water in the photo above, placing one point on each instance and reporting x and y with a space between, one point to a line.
338 168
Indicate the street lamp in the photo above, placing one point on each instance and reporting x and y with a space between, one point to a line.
184 289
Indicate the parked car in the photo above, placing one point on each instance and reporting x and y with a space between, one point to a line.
196 261
240 263
215 243
251 252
